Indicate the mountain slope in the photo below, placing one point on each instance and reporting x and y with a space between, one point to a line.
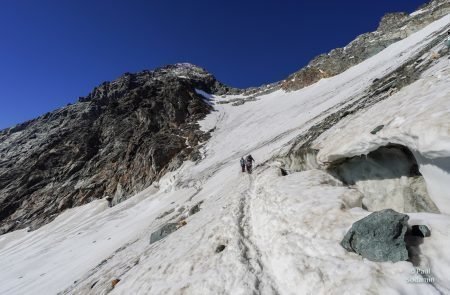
114 142
264 233
392 28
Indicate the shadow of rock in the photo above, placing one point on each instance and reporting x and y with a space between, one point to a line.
413 243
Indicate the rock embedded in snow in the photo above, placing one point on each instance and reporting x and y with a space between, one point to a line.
379 237
420 231
114 282
220 248
195 209
163 232
376 129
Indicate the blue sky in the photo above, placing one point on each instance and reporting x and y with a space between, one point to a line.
52 52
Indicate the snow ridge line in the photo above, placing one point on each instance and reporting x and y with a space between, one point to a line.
250 251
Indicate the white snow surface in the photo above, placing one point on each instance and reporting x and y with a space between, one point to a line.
417 12
281 234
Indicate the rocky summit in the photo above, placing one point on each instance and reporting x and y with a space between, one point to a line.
115 141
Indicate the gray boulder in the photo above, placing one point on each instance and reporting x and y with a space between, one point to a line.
379 236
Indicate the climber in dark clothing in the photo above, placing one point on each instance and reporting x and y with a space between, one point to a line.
243 164
249 162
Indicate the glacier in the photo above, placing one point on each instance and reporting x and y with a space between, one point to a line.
279 234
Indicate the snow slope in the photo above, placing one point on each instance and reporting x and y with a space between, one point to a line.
281 234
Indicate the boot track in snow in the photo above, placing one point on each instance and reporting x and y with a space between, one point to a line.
251 253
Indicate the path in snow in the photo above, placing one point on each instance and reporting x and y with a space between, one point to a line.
251 253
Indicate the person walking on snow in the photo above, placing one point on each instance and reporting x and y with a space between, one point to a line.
243 164
249 162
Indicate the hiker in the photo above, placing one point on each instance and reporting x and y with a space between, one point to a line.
249 162
243 164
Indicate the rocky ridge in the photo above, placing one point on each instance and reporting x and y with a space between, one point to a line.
114 142
392 28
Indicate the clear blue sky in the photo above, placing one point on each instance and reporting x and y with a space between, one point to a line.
52 52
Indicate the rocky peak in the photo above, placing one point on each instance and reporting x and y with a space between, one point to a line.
177 73
186 69
116 141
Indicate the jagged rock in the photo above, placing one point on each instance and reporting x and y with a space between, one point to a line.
379 236
420 231
114 142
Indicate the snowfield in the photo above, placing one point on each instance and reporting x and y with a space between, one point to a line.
280 234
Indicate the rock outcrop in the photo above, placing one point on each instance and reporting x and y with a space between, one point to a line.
115 141
392 28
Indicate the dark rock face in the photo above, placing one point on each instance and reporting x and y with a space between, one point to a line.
116 141
393 27
379 236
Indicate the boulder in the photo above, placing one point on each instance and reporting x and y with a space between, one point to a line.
420 231
379 236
